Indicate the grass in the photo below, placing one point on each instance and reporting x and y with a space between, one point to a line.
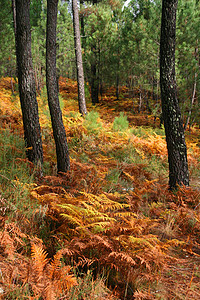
15 178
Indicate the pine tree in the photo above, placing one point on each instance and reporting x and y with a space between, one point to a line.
79 62
26 82
63 163
177 152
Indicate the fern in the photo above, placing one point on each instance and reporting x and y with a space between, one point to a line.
40 259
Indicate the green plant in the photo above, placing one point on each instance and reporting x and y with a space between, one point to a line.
92 122
87 288
16 180
120 123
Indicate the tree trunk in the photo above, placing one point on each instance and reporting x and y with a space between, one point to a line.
94 79
26 83
117 75
177 152
82 27
14 19
79 62
192 102
59 133
94 72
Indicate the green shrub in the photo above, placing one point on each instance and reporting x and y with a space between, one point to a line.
120 123
92 122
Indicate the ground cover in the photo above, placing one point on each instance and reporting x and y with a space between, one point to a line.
107 229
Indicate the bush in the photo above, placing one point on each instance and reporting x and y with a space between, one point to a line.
92 122
120 123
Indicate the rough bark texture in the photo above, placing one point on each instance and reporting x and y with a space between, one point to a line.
79 62
59 133
26 83
177 152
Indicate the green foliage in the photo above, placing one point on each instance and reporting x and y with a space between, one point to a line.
35 11
113 176
65 52
120 123
145 132
15 179
92 122
7 40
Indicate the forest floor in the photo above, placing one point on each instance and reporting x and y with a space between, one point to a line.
107 229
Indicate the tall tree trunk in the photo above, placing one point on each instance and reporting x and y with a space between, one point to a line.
26 83
14 18
94 79
79 62
82 27
94 72
63 163
177 152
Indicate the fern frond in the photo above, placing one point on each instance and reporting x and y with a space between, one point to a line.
71 219
104 203
124 215
39 257
142 242
74 210
55 265
120 260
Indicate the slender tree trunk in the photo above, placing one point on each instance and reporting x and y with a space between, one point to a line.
192 102
26 82
82 28
177 152
79 62
117 76
94 72
117 86
59 133
14 18
15 30
140 100
94 79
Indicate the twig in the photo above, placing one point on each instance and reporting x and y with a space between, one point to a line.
8 180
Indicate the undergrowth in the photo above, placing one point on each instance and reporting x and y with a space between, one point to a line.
107 229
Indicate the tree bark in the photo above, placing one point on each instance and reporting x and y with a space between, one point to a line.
63 163
177 152
26 82
79 62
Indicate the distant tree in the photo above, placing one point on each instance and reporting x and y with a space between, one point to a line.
35 11
63 163
7 40
94 78
26 82
79 62
177 152
188 59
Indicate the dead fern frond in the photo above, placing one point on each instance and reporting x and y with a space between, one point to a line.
40 260
120 261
